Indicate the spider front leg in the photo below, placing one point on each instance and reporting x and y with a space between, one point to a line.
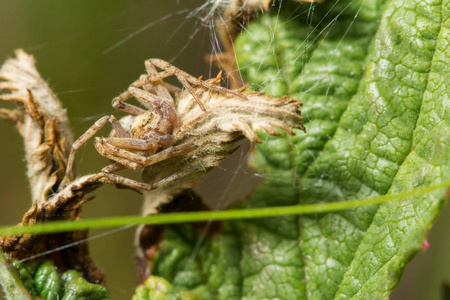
119 103
99 124
155 158
127 159
123 151
138 186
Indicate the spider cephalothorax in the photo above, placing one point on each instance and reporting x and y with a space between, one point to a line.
140 134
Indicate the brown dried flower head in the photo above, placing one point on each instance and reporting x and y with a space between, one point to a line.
41 121
43 124
215 131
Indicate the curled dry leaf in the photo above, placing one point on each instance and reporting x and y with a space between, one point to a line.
215 131
44 127
41 121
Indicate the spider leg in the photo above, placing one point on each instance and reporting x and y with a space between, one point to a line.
99 124
124 157
159 85
138 186
115 167
151 89
155 158
134 160
129 143
169 152
186 84
153 76
81 141
154 93
157 89
119 103
170 70
146 97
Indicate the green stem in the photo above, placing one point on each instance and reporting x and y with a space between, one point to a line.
202 216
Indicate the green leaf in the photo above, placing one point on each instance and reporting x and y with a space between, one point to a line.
78 288
157 288
374 81
41 279
13 282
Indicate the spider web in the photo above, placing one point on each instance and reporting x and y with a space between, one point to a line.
89 55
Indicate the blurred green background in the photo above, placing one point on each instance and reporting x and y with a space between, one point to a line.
80 50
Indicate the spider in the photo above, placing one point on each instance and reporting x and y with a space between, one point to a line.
145 136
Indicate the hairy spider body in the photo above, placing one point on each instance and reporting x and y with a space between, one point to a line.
152 126
145 136
187 139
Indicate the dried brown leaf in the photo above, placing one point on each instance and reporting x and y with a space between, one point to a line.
44 127
215 132
41 121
